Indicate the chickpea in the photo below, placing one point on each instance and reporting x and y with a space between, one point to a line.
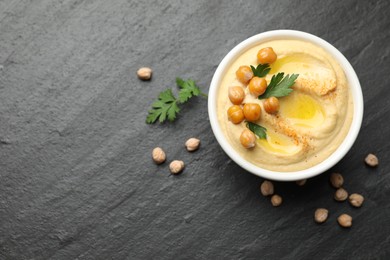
252 111
247 138
336 180
276 200
257 86
158 155
271 105
236 95
321 215
371 160
235 114
267 188
176 167
345 220
266 55
356 200
192 144
144 73
340 194
244 74
301 182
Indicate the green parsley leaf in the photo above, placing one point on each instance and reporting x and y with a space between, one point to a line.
258 130
188 89
163 108
279 86
167 105
261 70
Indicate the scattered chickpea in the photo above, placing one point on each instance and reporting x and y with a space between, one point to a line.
192 144
176 167
276 200
144 73
337 180
236 95
321 215
244 74
356 200
257 86
301 182
371 160
267 188
247 138
271 105
235 114
345 220
158 155
266 55
340 194
252 111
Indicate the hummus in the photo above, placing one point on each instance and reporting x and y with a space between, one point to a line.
312 121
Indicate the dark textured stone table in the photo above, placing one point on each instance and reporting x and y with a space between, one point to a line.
76 176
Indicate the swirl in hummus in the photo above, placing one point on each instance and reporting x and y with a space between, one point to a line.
312 121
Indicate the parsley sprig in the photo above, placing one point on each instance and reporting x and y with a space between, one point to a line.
261 70
188 89
258 130
167 105
279 86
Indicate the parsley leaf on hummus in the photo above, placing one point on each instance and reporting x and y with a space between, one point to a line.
279 86
261 70
258 130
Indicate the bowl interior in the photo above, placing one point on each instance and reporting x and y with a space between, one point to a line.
355 89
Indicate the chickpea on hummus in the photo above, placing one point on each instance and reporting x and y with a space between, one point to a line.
303 128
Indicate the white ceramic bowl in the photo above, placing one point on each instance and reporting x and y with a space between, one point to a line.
354 88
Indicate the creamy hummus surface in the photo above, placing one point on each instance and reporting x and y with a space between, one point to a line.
312 121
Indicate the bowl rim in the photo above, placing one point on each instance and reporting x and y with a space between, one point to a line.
355 89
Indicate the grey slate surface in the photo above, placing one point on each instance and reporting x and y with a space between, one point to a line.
76 177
